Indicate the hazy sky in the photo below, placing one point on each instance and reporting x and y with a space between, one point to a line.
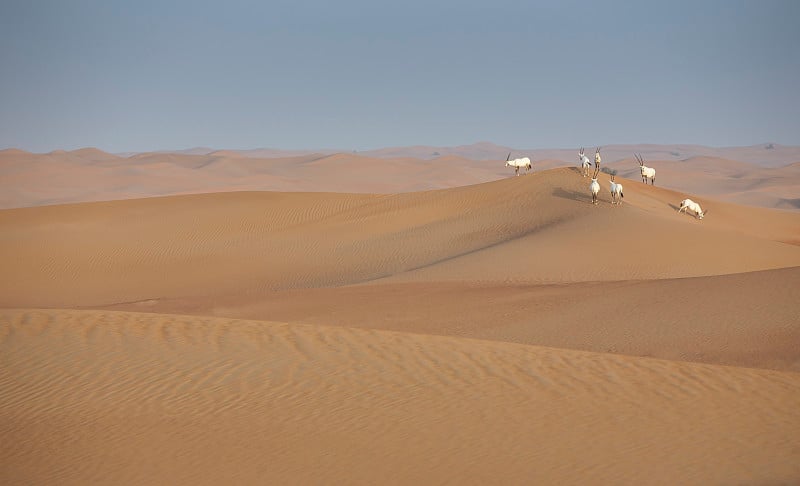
148 75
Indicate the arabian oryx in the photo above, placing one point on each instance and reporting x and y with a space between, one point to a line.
585 163
517 163
647 172
616 191
594 187
597 157
688 204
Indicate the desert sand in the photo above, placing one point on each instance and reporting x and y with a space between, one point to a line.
479 328
754 176
101 397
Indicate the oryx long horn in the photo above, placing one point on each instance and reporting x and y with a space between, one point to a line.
509 157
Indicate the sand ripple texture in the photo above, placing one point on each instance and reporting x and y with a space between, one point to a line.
95 397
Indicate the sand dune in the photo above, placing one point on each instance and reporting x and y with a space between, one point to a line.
65 177
91 175
763 155
357 365
531 229
726 180
534 256
138 398
745 319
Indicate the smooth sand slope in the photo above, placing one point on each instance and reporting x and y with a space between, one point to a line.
531 229
740 320
100 397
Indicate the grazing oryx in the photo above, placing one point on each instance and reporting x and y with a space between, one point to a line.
616 191
693 207
517 163
594 186
585 163
647 172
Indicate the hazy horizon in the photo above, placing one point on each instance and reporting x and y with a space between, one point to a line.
377 149
360 76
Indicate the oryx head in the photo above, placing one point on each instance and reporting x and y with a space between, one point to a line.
702 214
508 158
639 159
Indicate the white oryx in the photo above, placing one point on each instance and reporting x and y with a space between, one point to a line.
517 163
647 172
616 191
597 157
585 163
688 204
595 186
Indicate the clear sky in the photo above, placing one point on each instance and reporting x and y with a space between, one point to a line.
149 75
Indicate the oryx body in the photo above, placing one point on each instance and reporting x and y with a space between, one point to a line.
647 172
518 163
688 204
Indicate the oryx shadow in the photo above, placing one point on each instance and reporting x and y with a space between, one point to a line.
572 195
674 206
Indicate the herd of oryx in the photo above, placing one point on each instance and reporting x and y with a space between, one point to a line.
648 174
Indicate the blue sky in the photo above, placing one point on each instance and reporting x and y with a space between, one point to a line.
135 76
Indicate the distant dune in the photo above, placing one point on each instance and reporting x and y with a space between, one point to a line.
84 175
766 155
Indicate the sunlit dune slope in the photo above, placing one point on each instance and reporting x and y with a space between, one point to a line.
101 397
537 228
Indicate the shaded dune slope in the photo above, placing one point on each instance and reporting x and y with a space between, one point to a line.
747 319
206 401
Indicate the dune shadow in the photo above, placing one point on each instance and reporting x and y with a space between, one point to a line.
791 203
572 195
